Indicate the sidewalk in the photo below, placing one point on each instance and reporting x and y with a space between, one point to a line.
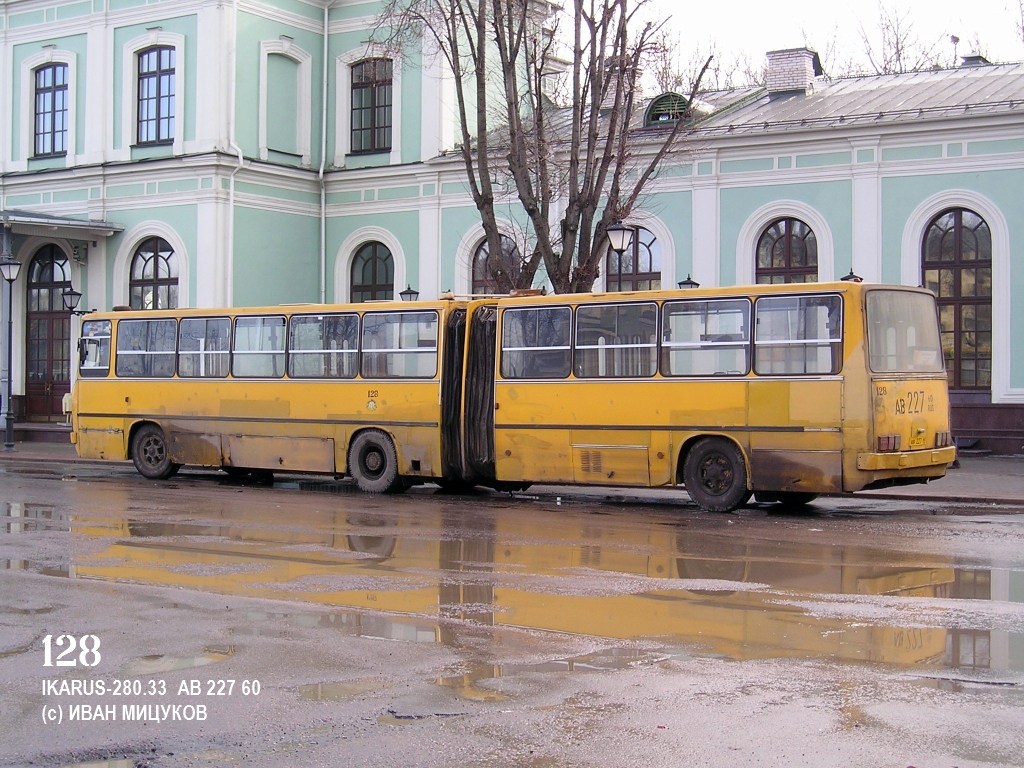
978 479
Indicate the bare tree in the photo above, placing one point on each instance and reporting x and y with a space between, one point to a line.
554 132
897 49
675 68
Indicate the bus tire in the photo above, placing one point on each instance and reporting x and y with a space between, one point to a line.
373 463
715 475
149 453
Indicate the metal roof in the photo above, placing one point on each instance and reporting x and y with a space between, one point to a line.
968 90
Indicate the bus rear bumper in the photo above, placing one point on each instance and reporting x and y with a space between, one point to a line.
937 457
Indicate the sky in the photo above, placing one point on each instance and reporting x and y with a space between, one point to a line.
749 29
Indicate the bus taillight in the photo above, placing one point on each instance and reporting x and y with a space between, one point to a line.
943 439
888 443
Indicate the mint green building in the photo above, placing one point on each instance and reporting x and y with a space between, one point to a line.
219 152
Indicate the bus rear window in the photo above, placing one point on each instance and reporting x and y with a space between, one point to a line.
903 333
94 348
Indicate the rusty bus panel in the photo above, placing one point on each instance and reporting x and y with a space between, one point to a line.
305 454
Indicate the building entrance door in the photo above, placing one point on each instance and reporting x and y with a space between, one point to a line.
47 336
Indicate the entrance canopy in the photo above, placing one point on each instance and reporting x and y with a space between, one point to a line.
42 225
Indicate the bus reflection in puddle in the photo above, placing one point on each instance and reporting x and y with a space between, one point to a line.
456 578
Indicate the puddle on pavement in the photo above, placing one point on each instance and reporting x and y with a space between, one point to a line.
22 517
159 664
622 579
42 569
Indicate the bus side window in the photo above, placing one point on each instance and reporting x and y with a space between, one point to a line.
94 348
798 335
203 347
616 340
146 348
706 338
323 346
399 345
258 349
535 343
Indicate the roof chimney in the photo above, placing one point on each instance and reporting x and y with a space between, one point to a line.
793 69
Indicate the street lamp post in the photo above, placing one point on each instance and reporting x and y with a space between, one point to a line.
9 268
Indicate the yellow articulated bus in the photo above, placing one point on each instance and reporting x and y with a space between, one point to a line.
781 391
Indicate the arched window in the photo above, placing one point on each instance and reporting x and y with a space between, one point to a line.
787 252
47 335
373 273
638 268
496 275
371 105
154 276
957 266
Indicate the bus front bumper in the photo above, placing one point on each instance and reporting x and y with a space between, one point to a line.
872 462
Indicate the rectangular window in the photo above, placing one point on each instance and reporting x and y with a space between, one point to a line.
903 333
94 348
399 345
371 106
145 348
798 335
535 343
323 346
258 351
51 110
203 350
616 341
156 95
706 338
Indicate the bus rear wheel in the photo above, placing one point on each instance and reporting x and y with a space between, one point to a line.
373 463
149 453
715 475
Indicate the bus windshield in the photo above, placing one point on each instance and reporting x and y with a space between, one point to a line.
903 333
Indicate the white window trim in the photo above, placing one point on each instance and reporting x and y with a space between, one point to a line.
130 243
304 107
911 253
343 102
28 106
346 255
753 228
130 87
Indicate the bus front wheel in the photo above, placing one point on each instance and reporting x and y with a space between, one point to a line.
715 475
149 453
373 463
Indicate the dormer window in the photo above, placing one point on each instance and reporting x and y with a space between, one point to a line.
666 109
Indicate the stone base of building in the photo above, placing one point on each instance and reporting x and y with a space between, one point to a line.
980 425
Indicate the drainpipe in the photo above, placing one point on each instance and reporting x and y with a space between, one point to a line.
323 159
229 282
